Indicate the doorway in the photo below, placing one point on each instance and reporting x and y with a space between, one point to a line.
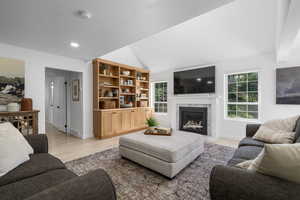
63 112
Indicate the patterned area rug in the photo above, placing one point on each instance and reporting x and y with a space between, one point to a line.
134 182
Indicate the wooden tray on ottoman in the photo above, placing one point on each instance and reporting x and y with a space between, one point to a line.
159 131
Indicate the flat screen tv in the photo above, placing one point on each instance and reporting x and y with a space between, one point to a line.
288 85
195 81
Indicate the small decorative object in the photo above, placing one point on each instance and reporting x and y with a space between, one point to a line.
76 90
138 75
122 100
288 85
115 93
127 90
151 122
26 104
159 131
107 104
130 82
126 73
13 107
3 108
108 94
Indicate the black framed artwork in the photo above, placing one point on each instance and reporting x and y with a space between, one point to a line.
288 85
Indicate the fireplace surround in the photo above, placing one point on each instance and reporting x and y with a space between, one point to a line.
193 119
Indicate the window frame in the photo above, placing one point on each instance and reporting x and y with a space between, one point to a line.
258 103
153 97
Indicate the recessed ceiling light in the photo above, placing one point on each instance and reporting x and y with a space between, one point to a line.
83 14
74 44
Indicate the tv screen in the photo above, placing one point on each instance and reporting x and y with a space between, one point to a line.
195 81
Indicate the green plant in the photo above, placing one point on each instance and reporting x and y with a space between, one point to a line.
152 122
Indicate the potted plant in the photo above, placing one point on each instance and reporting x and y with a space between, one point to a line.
151 122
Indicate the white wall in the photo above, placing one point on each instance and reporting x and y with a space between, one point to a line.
266 65
35 64
123 55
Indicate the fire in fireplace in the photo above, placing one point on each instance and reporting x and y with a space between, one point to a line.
193 119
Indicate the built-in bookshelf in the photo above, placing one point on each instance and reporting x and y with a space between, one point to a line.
119 86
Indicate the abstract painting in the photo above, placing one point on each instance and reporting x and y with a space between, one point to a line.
75 90
288 85
12 73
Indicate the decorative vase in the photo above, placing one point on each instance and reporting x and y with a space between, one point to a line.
26 104
13 107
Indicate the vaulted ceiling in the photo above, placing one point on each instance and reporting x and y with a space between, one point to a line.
242 28
239 29
50 25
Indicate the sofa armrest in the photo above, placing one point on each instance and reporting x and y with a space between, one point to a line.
251 129
92 186
39 143
231 183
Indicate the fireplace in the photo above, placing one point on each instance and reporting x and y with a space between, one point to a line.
193 119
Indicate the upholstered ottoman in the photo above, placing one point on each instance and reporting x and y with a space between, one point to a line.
167 155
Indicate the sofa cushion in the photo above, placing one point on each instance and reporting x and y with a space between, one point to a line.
32 185
247 152
235 161
38 163
297 130
248 141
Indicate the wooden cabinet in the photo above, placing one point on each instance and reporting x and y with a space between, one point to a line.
114 122
120 98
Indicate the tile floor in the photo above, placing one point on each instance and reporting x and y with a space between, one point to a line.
68 148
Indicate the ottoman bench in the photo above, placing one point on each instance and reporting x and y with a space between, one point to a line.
167 155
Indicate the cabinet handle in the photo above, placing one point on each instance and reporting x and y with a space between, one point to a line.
114 113
133 111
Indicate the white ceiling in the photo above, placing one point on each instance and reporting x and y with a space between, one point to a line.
289 46
49 25
239 29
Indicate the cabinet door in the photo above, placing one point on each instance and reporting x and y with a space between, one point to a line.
126 120
142 117
116 122
106 124
133 119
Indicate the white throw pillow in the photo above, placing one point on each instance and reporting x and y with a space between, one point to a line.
7 130
279 131
14 148
279 160
287 125
272 136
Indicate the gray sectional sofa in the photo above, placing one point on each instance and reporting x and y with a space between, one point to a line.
46 177
232 183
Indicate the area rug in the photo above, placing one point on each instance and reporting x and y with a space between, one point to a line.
134 182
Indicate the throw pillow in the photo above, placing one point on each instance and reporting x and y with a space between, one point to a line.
9 131
272 136
279 160
297 130
244 165
287 124
14 149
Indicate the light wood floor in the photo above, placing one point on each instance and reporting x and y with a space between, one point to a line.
68 148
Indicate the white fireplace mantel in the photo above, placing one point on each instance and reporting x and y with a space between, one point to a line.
209 101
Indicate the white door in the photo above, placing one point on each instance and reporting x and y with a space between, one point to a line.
59 103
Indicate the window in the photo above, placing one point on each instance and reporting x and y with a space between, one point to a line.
242 96
160 98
